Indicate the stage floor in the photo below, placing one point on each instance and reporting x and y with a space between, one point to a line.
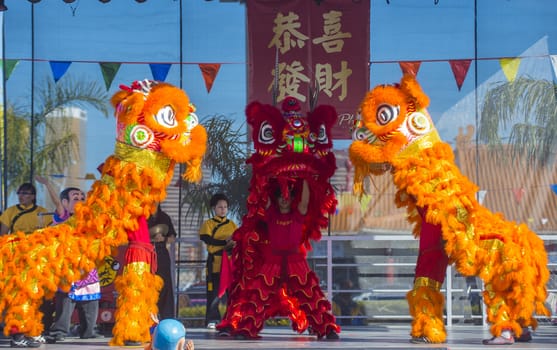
384 337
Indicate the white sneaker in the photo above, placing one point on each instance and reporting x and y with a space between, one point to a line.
39 339
211 325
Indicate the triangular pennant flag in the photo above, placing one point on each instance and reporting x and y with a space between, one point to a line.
59 68
410 67
553 188
109 70
209 71
510 67
460 69
554 64
160 70
9 67
518 193
544 221
481 196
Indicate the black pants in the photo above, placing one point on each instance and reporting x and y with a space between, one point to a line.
212 313
47 308
166 296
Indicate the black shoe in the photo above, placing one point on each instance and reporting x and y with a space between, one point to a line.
19 340
332 335
92 336
132 343
420 340
525 337
49 339
56 335
225 332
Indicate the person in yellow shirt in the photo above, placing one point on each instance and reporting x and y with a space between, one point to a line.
26 216
217 235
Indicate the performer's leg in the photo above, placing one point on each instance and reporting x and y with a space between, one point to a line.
212 315
425 300
313 303
249 308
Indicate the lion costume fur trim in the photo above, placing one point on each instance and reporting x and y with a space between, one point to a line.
510 258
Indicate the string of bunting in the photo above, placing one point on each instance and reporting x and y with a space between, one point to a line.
209 71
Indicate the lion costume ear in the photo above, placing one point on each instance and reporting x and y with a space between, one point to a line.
411 87
127 106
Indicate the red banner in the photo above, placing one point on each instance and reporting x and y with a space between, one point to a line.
317 50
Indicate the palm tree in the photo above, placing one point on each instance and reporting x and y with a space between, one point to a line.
226 171
63 149
532 104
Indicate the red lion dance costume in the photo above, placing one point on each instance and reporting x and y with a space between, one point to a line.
397 132
289 148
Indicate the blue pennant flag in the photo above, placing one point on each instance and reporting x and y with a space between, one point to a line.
160 70
59 68
554 188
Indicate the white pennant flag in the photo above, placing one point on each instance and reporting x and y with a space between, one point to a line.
480 196
554 64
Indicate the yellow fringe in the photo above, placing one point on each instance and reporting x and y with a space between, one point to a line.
138 291
426 309
510 258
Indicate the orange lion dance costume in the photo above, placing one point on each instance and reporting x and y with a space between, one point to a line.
450 223
156 129
268 281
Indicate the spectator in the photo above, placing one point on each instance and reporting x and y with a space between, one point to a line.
162 233
217 235
346 306
26 216
85 294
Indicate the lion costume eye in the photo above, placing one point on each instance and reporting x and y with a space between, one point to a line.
360 134
266 133
322 136
166 117
386 114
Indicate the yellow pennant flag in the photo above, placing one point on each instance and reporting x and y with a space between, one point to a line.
510 67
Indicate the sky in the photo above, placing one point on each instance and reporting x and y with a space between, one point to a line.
87 32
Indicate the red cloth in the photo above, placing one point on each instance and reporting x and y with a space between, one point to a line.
140 248
432 259
226 274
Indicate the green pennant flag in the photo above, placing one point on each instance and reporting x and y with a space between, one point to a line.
9 67
109 70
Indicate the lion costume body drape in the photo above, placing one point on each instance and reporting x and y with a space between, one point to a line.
396 132
156 129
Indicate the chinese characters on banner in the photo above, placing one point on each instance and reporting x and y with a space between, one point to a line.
310 46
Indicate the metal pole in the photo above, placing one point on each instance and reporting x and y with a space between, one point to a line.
32 131
4 190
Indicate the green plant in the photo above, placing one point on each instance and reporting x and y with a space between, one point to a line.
227 151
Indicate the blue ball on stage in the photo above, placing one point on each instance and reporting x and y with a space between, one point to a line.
168 334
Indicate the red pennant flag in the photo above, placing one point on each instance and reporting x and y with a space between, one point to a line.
410 67
209 71
460 70
518 193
